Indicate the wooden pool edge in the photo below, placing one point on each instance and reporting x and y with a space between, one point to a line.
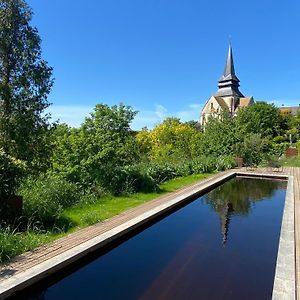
281 289
46 268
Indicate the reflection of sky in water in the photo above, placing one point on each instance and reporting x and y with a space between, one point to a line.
221 246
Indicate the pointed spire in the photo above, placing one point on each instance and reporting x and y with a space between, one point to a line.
229 83
225 220
229 72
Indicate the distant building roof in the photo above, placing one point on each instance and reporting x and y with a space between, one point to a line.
245 101
221 102
293 110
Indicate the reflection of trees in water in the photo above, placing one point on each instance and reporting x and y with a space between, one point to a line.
235 197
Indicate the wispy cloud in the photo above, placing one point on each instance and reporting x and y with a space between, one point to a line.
192 112
160 111
74 115
285 102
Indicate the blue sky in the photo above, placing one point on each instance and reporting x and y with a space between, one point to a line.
164 57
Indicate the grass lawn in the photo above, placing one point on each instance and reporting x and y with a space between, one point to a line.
108 206
291 162
13 243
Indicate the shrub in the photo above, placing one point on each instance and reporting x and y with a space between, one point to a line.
204 165
273 149
224 162
45 198
130 179
209 164
161 172
184 168
11 169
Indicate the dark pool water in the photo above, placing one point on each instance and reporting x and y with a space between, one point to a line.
223 245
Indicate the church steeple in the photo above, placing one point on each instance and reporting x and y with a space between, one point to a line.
229 83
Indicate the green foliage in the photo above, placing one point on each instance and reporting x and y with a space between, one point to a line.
161 172
253 146
194 125
170 141
260 118
46 197
250 149
13 242
95 151
25 82
292 161
272 148
298 147
209 164
11 169
220 136
130 179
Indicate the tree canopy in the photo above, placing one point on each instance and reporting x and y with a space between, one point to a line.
171 140
102 143
260 118
25 82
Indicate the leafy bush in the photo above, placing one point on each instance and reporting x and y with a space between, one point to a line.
130 179
161 172
274 149
224 162
204 165
91 153
45 198
209 164
11 169
184 168
253 147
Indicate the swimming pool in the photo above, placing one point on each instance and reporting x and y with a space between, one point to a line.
222 245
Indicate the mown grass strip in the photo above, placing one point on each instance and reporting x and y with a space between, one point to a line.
291 162
13 243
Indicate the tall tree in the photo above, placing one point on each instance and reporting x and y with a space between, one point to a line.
168 141
261 118
103 143
25 82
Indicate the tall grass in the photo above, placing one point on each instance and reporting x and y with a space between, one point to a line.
57 206
87 211
14 242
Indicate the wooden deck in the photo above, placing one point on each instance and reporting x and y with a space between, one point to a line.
44 253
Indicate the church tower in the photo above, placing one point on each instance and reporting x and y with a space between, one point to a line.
228 96
229 83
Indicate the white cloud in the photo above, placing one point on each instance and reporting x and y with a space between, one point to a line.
74 115
195 106
285 102
191 113
145 119
160 112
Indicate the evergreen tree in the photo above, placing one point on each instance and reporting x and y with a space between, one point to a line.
25 82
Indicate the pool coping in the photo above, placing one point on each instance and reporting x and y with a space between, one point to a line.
283 288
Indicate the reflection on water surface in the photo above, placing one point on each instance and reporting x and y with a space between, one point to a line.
223 245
